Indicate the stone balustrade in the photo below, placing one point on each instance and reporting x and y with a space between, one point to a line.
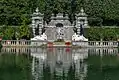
22 43
15 50
29 43
75 52
96 43
102 44
80 43
103 51
16 42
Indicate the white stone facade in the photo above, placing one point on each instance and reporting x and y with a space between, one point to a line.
59 27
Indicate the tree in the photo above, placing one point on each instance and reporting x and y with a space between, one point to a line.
110 34
107 11
24 31
9 33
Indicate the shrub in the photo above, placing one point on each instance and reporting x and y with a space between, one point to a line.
106 34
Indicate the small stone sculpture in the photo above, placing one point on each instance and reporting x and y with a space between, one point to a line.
41 37
76 37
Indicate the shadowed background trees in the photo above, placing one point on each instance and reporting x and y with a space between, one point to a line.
100 12
18 13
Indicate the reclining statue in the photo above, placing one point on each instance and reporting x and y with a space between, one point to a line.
76 37
41 37
79 37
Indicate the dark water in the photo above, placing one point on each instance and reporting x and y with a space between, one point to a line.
59 64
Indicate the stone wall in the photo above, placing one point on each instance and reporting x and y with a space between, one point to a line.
51 33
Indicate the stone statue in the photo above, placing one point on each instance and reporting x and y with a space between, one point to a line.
77 37
43 30
81 29
42 37
37 30
60 33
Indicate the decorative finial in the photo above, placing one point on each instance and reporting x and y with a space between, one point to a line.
52 14
82 10
66 14
59 15
37 10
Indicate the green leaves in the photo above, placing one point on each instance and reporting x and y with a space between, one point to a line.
106 34
107 11
24 31
12 10
109 34
7 32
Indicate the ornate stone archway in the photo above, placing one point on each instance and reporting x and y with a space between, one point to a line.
59 23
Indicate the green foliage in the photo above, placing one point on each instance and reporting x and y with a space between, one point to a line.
93 34
95 21
7 32
13 33
15 67
12 11
106 34
1 32
24 31
110 34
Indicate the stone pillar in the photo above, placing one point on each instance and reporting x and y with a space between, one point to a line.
78 30
81 18
40 29
118 42
37 21
58 33
33 27
33 31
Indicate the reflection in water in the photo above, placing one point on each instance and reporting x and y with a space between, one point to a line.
103 51
64 62
15 50
15 67
70 63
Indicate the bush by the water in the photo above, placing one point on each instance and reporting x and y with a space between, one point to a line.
106 34
13 33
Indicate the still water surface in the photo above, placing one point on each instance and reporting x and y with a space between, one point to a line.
59 64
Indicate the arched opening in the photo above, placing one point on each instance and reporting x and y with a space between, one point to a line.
59 25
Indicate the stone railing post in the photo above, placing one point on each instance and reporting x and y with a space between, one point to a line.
118 42
17 42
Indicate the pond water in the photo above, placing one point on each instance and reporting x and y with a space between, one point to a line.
59 63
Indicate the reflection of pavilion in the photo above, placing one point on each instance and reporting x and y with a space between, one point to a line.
103 51
60 60
39 56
